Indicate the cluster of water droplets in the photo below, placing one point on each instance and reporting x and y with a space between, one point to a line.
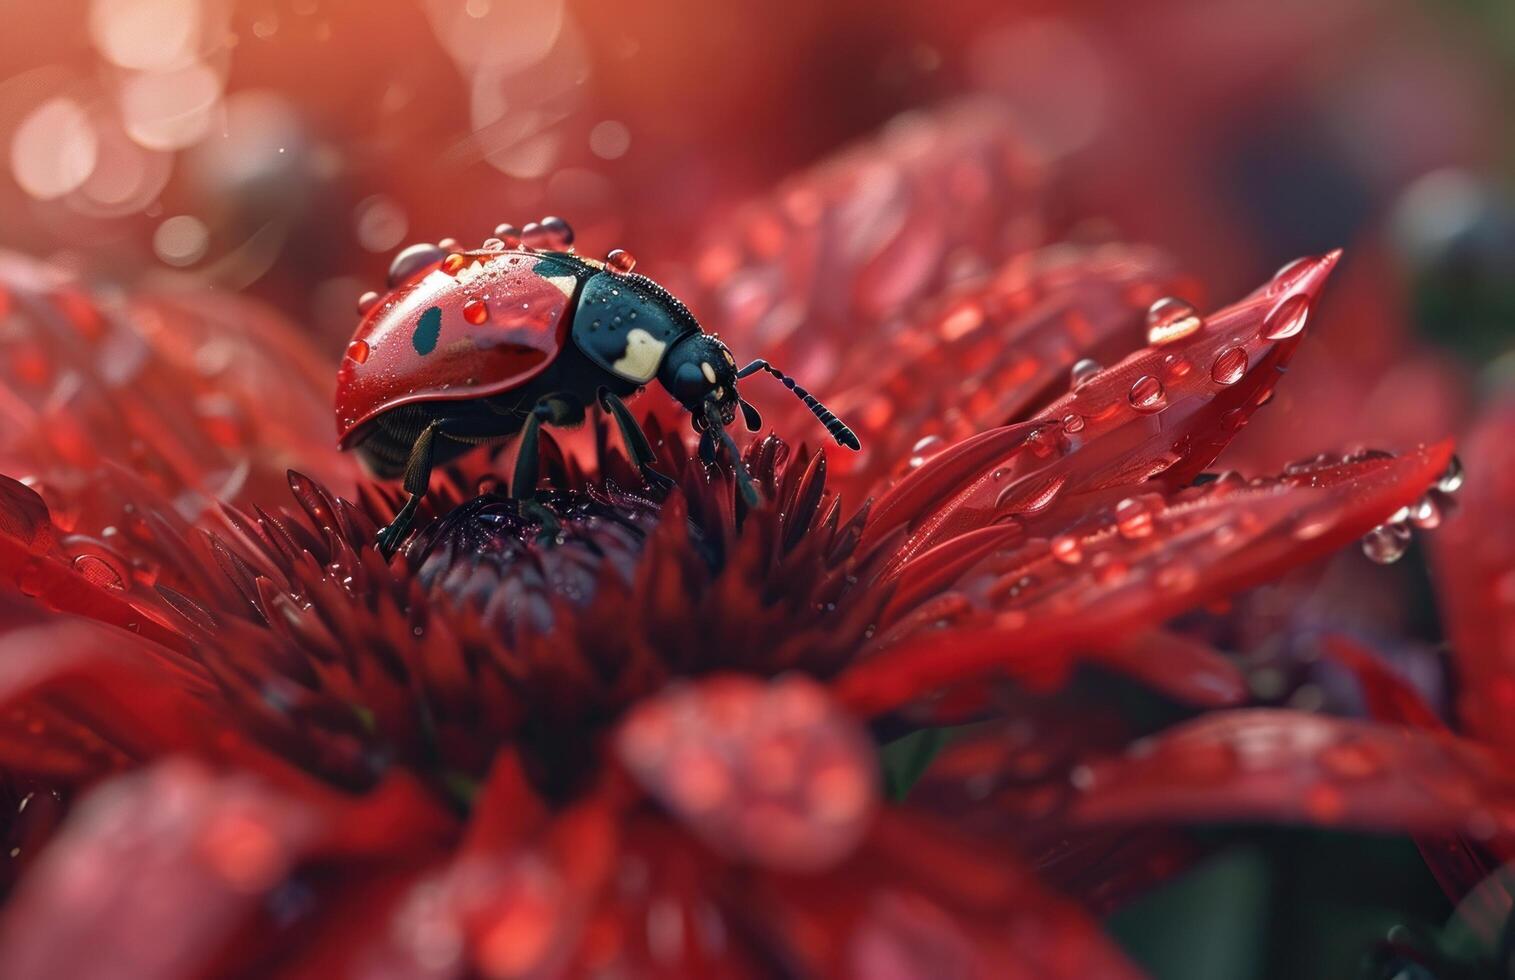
1388 542
550 234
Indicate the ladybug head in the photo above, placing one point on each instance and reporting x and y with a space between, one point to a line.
701 373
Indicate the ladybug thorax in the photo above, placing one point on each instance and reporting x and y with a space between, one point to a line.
628 324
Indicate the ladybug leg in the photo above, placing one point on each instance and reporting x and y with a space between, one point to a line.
523 483
635 440
417 479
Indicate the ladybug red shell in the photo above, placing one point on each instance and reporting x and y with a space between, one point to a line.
474 324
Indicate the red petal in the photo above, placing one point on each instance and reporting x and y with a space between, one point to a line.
1474 561
1290 766
769 773
1132 568
1164 412
1183 668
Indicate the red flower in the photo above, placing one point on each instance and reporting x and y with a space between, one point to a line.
647 745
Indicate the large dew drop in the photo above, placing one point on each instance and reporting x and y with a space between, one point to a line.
1171 319
1386 543
1083 372
1288 318
1229 366
409 262
1147 394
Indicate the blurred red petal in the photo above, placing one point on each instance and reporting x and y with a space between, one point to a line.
1274 765
156 872
770 773
1474 560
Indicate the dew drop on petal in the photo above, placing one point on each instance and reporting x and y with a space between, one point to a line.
1073 422
1452 478
408 262
1229 366
1386 543
924 449
475 311
358 351
1083 372
1171 319
1067 549
1288 318
1147 394
1133 517
367 302
1426 513
99 571
621 261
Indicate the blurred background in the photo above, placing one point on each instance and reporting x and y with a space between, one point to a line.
284 149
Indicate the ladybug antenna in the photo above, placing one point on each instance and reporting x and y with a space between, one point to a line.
713 430
838 429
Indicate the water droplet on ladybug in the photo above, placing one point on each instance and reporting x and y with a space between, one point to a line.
621 261
559 233
533 235
358 350
1082 372
1229 366
475 311
508 233
1147 394
409 262
453 264
493 245
1171 319
367 302
450 245
1452 478
1288 318
1386 543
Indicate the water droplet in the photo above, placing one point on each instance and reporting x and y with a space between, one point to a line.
453 264
367 302
621 261
1147 394
1176 366
1073 422
493 245
1288 318
1386 543
1452 478
358 350
100 571
1171 319
450 245
559 233
1133 516
1229 366
533 235
475 311
508 233
1083 372
924 449
409 262
1426 514
1067 549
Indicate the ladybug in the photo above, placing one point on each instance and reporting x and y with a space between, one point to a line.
471 347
